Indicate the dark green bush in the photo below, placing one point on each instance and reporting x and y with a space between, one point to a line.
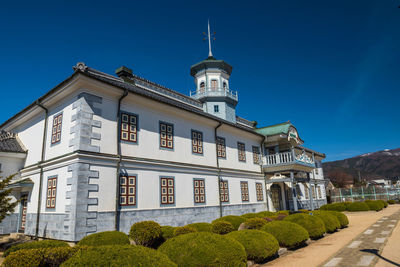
236 221
314 225
374 205
331 222
249 215
204 249
334 206
116 255
221 227
264 214
278 217
146 233
259 245
201 227
286 212
385 204
343 220
254 223
287 233
391 202
36 244
50 256
357 206
167 232
105 238
184 230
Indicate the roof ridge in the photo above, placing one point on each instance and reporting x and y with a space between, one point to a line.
282 123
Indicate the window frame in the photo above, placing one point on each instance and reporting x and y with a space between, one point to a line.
241 151
212 88
259 192
226 191
127 187
197 146
59 124
129 114
52 187
258 154
244 191
199 194
223 148
168 203
166 138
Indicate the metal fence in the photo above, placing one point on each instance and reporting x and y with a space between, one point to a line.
363 193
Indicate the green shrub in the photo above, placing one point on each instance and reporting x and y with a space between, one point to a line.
285 212
221 227
105 238
264 214
314 225
343 220
259 245
385 204
249 215
304 211
167 232
391 202
146 233
201 227
357 206
334 206
331 222
184 230
374 205
50 256
36 244
278 217
119 256
236 221
287 233
204 249
254 223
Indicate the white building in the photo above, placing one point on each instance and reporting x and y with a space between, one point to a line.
100 152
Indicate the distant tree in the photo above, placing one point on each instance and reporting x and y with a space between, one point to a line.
6 204
339 178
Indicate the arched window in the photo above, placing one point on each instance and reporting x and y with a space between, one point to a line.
202 87
214 85
224 86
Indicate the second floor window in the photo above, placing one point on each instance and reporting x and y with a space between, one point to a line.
259 192
56 131
51 192
197 142
224 191
241 151
127 192
129 127
221 147
166 135
256 155
167 186
244 188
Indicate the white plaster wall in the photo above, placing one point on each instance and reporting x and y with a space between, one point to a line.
10 165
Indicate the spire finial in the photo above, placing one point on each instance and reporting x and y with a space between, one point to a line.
209 36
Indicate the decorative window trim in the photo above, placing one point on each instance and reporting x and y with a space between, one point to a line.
224 191
56 130
197 196
51 189
256 154
241 147
244 191
166 145
125 186
167 194
129 131
221 147
259 192
197 143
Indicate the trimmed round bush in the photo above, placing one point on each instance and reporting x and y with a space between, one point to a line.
51 256
331 222
357 206
146 233
204 249
385 204
343 220
167 232
374 205
264 214
314 225
236 221
278 217
119 256
105 238
259 245
391 201
286 212
201 227
254 223
221 227
36 244
334 206
184 230
288 234
249 215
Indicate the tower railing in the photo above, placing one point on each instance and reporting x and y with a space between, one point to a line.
214 91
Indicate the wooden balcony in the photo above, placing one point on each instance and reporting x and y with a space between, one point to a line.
287 161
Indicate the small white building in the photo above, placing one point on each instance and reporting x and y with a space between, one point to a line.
101 152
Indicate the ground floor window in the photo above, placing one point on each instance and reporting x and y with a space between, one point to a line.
127 191
306 192
259 192
313 192
199 191
51 192
244 187
167 186
319 192
224 192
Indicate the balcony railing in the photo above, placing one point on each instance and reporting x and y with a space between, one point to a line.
287 158
214 92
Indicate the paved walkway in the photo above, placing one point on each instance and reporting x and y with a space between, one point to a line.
365 249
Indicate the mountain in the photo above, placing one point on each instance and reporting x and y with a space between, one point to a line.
376 165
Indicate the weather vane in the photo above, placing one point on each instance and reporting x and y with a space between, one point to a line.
209 37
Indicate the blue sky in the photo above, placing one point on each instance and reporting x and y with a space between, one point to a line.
330 67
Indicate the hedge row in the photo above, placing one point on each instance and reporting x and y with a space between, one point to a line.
366 205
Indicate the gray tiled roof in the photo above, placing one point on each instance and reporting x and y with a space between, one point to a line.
9 142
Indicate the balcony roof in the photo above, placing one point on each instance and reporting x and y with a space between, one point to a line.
281 128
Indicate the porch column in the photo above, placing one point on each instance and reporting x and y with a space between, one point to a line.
294 192
310 192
